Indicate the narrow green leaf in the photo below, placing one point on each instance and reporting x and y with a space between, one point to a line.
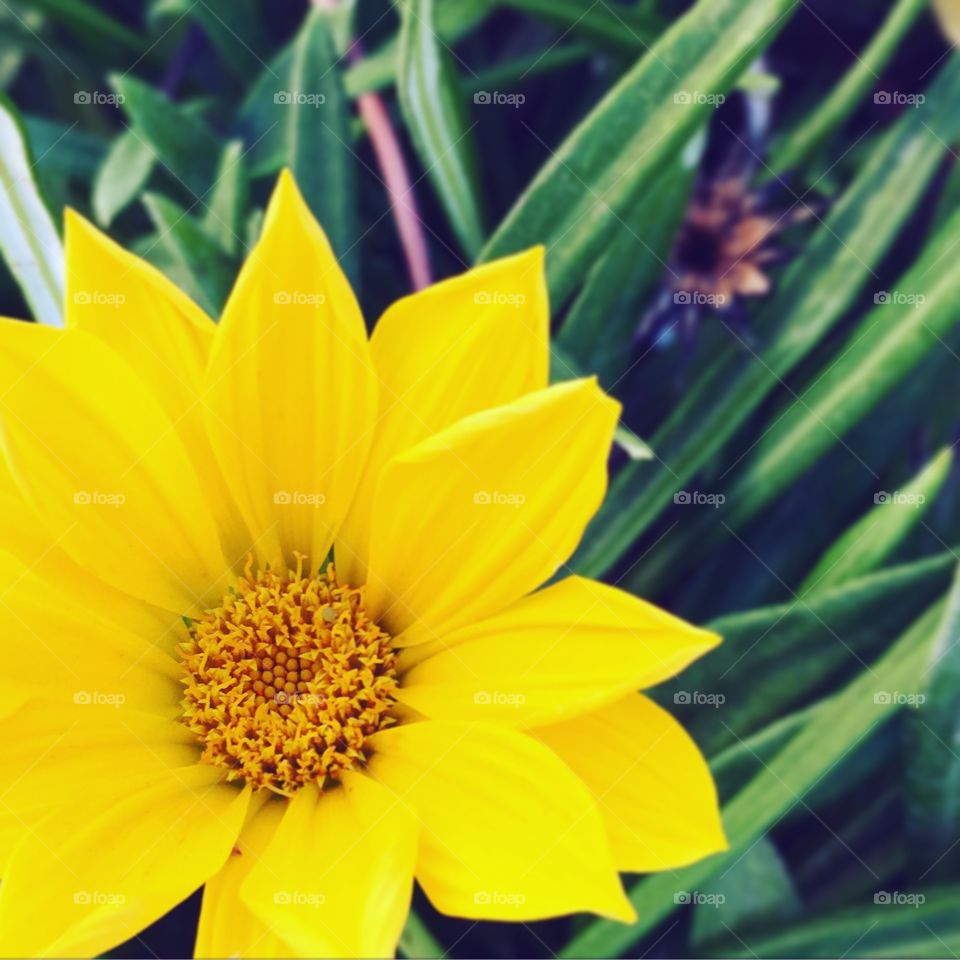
181 141
832 732
887 344
28 239
869 542
229 199
815 292
509 73
67 151
789 652
603 319
378 69
600 171
123 174
433 106
91 23
890 923
200 266
933 767
847 95
755 888
313 113
417 942
617 28
234 31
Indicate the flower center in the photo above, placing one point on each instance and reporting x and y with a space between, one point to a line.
287 679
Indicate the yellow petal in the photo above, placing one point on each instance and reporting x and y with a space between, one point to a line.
90 876
291 395
561 651
336 879
508 832
74 653
475 341
25 540
102 464
650 780
52 752
227 927
161 333
482 513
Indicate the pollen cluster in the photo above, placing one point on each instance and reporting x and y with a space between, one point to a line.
287 679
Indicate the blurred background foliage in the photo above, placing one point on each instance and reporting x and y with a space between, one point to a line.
751 215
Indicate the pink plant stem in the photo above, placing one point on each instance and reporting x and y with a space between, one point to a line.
396 177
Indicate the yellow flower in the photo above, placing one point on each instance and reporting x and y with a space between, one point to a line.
193 697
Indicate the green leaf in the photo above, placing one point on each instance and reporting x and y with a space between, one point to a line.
198 264
835 729
28 239
788 653
227 209
814 294
846 96
617 28
65 150
932 764
123 174
757 887
887 344
417 942
433 106
181 141
235 33
89 22
872 539
378 69
602 320
313 113
601 170
900 923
